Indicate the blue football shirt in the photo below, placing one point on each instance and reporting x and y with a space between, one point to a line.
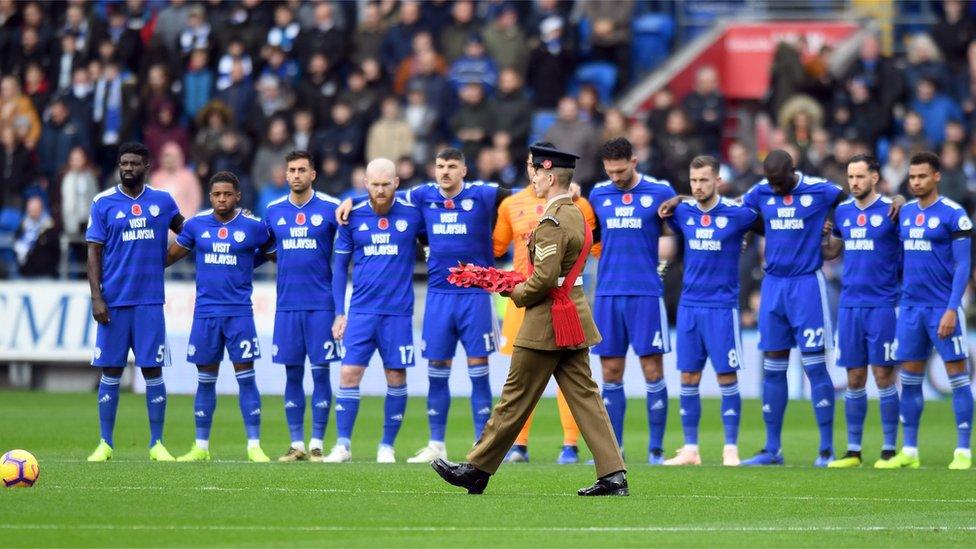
133 232
927 235
304 236
459 229
712 246
794 223
384 249
225 261
629 232
872 254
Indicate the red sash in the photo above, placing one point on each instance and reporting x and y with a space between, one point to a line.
566 325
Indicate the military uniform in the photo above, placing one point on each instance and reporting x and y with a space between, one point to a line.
555 245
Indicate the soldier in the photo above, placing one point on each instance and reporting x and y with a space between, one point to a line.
554 340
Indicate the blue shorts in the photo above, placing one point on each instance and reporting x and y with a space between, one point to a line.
866 336
210 336
706 332
918 332
298 334
449 318
794 313
640 321
141 328
391 334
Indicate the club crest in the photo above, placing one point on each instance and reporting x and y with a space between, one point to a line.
239 236
467 204
646 201
154 210
965 224
316 220
933 222
876 220
806 200
721 221
401 225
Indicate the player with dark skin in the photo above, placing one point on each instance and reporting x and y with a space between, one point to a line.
223 199
132 173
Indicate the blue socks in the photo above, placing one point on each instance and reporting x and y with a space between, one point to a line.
438 403
156 408
295 402
855 410
690 412
657 412
108 406
480 397
204 403
889 416
250 402
616 404
774 398
912 404
962 405
393 409
346 409
321 400
822 397
731 411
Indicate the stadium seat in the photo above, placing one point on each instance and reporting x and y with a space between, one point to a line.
9 223
541 121
600 74
651 43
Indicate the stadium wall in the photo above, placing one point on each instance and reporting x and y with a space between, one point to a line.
50 322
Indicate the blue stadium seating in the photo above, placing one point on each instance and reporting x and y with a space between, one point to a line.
651 45
600 74
541 121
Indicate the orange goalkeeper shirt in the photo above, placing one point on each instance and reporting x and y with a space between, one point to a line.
518 216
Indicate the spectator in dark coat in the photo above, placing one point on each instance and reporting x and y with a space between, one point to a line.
878 72
318 88
59 135
511 109
370 34
463 24
165 128
551 65
128 45
343 137
743 173
239 96
37 242
397 45
325 37
952 34
472 122
17 170
706 108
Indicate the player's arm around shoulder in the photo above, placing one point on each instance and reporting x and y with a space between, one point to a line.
549 246
180 247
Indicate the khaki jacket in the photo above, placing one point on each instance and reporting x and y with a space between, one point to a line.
553 248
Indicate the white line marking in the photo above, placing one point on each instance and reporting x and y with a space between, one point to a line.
577 529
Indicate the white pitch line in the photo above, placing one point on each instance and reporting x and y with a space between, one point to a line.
851 499
574 529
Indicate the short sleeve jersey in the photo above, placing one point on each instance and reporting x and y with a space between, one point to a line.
712 245
133 232
794 223
927 235
629 233
872 254
383 249
225 254
304 236
459 229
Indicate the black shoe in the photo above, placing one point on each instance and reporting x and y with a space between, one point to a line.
888 454
464 475
614 484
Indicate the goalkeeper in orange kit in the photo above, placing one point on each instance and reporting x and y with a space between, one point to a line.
518 215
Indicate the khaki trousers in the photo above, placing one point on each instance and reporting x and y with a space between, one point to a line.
527 379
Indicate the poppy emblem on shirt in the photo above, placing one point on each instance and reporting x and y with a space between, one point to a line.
222 233
449 204
383 224
706 220
136 209
154 210
862 220
627 199
401 225
920 219
300 218
540 209
546 164
788 200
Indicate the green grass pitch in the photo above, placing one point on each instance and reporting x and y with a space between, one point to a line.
133 502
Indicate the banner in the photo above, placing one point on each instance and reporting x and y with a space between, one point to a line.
50 322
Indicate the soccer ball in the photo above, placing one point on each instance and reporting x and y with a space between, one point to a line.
19 469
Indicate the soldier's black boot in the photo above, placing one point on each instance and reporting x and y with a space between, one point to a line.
614 484
464 475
